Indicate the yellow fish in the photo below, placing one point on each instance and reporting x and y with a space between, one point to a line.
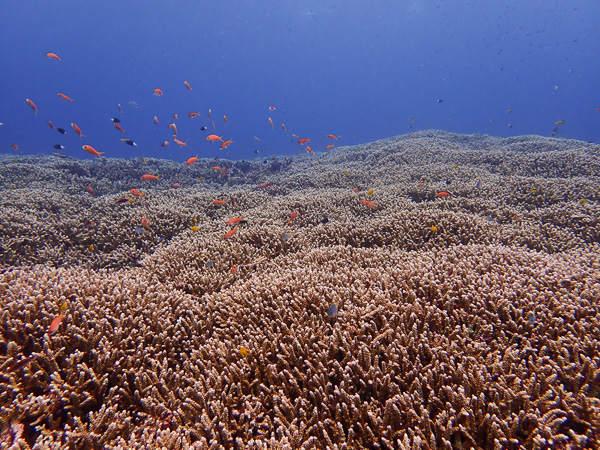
370 191
243 351
91 247
195 228
63 306
433 228
346 173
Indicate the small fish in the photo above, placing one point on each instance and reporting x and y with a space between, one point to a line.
243 351
309 150
226 144
136 192
271 108
203 128
191 160
195 228
90 190
489 219
149 177
346 173
59 147
210 264
233 269
303 141
225 119
265 185
187 85
55 324
293 216
454 166
209 113
236 220
15 147
175 116
32 105
332 312
61 130
214 138
65 97
91 248
434 229
271 123
119 107
219 202
77 130
51 55
119 127
369 204
158 92
286 237
173 127
193 114
442 194
91 150
140 230
333 136
128 141
180 143
145 222
479 184
134 104
230 233
115 120
324 220
284 128
560 122
50 124
156 121
508 111
370 192
329 147
175 186
582 201
122 200
165 144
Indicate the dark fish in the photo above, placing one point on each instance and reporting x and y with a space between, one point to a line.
59 147
209 264
20 364
203 128
324 220
129 142
332 312
61 130
478 184
123 200
439 100
115 120
256 151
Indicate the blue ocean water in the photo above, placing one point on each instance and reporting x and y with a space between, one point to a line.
357 70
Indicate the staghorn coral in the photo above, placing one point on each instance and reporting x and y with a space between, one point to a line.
482 334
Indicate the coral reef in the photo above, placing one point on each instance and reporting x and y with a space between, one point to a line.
464 321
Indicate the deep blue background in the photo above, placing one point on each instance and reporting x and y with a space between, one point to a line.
356 69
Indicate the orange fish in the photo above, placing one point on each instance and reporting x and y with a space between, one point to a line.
284 128
187 85
165 144
180 143
145 222
77 130
235 220
32 105
303 141
66 97
91 150
175 116
193 114
421 184
265 185
560 122
293 216
230 233
191 161
219 202
15 147
332 136
90 190
156 121
213 124
368 203
217 168
136 192
309 150
174 128
442 194
51 125
226 144
271 122
225 119
119 127
271 108
233 269
214 138
158 92
148 177
51 55
355 189
55 324
329 147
